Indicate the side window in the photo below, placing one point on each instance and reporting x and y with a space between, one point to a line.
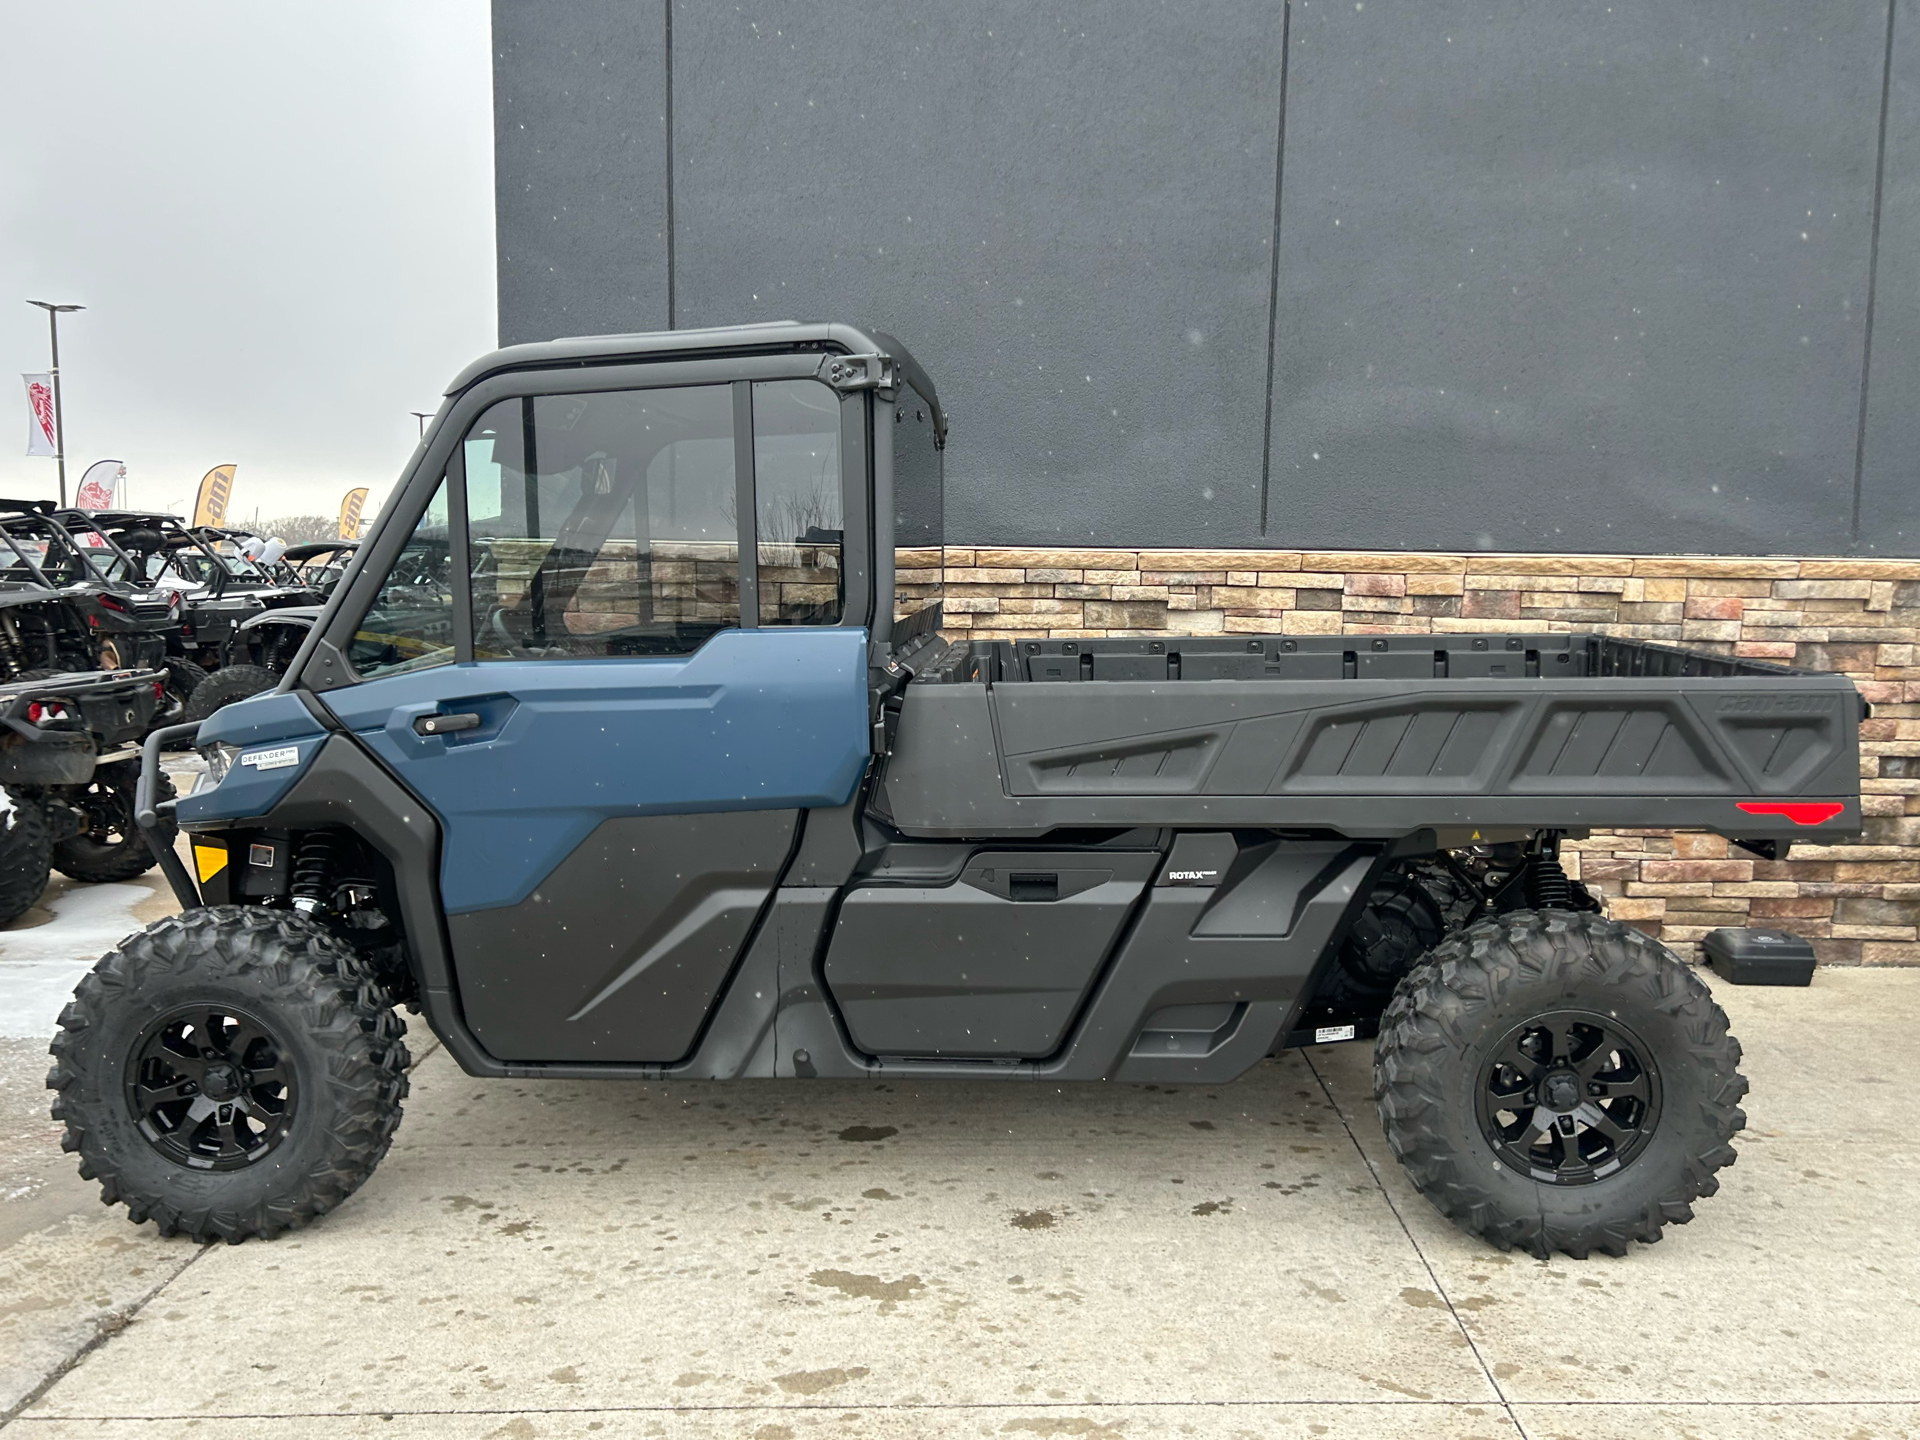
410 624
603 524
799 526
919 515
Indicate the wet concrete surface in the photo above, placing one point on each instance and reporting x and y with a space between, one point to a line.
787 1260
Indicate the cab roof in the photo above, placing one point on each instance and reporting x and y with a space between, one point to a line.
768 337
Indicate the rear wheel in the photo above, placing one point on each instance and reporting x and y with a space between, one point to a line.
229 1073
226 685
26 852
112 847
1556 1081
1400 923
183 678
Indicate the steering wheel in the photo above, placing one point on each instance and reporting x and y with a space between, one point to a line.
497 623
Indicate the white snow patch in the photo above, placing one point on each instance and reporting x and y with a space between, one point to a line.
39 967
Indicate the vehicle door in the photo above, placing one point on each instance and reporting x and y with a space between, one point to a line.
620 650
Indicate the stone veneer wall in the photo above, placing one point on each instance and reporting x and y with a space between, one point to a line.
1858 902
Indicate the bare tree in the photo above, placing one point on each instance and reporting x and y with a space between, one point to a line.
300 529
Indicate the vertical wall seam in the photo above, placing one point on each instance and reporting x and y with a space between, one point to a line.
1273 266
1873 275
667 8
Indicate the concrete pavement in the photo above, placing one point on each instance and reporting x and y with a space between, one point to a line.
812 1259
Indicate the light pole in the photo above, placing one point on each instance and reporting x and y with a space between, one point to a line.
422 416
54 312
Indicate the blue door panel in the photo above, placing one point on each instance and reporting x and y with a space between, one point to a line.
754 720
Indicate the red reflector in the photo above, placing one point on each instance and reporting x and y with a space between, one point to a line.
1812 813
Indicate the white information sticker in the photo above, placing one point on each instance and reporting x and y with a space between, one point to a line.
1327 1034
278 759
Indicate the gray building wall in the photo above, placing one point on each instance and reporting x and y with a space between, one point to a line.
1587 277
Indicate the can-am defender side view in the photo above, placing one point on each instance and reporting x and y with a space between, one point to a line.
630 747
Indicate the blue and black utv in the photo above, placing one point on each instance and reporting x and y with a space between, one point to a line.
630 746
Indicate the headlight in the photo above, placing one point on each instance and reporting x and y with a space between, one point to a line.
219 757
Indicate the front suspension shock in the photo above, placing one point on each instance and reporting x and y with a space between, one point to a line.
313 872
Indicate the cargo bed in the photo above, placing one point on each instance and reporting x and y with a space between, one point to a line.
1370 735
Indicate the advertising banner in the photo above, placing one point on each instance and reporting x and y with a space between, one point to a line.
210 505
39 414
350 505
100 486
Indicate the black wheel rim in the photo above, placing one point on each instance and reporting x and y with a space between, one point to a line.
211 1087
110 818
1569 1097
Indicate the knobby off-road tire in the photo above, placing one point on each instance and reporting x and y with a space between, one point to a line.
1400 923
1597 1023
226 685
116 848
183 678
26 852
229 1072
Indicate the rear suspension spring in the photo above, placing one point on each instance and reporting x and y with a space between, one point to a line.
1547 884
10 646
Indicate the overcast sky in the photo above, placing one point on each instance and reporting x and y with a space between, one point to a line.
280 219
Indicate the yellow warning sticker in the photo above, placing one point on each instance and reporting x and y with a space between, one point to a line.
209 860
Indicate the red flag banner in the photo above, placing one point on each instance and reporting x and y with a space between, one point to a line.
100 486
40 424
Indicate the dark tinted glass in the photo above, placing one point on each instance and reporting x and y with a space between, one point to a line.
410 625
919 508
603 524
800 526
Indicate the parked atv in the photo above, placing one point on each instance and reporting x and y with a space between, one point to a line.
225 598
59 611
69 769
264 644
320 564
630 748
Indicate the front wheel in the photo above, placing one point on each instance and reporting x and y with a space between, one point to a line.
228 1073
1556 1081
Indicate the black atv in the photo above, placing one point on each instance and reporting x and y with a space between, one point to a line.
58 609
321 564
263 645
69 763
225 598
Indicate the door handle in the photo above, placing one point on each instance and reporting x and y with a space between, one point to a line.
444 724
1021 886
